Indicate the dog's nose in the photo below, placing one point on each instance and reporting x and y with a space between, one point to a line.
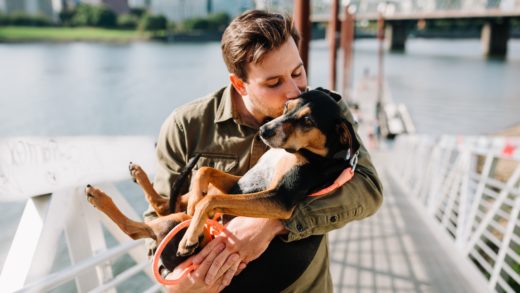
266 132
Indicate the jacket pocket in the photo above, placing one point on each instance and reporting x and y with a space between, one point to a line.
223 162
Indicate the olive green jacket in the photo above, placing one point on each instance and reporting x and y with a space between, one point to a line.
210 126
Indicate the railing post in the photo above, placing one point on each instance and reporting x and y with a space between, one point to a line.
333 39
302 12
347 38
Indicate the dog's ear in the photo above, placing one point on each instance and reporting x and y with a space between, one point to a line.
347 135
332 94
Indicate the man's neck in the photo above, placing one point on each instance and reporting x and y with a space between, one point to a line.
245 116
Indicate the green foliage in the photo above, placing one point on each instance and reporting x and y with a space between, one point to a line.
22 19
127 21
94 15
214 23
153 23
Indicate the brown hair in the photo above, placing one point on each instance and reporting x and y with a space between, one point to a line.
253 34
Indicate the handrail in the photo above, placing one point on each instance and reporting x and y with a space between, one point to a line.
56 279
469 186
59 168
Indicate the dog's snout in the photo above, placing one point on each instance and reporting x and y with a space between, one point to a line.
266 132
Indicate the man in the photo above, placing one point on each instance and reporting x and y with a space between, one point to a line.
265 70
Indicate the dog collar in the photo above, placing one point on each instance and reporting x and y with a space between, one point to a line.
343 178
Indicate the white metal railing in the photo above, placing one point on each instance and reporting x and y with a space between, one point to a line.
470 187
49 174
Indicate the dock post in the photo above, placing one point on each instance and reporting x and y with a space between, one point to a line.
333 42
347 38
380 69
302 11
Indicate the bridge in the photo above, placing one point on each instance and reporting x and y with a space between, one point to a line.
449 222
401 17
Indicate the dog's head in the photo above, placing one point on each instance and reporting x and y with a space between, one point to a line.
314 122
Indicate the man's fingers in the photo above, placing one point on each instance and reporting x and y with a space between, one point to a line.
197 259
232 262
218 262
241 267
231 272
201 271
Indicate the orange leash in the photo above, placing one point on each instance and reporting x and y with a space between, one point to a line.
212 228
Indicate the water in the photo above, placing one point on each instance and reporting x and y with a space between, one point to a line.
109 89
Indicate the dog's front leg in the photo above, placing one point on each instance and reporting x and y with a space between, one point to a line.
204 177
259 205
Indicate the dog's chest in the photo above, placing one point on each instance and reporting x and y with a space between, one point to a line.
261 176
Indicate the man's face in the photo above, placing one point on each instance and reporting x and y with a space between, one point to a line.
279 77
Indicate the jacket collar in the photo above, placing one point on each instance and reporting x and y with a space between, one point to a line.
225 110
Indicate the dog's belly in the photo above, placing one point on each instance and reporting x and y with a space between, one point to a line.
259 177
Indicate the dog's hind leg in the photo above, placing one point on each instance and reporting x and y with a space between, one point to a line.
157 202
104 203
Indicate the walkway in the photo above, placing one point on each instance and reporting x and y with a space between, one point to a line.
395 251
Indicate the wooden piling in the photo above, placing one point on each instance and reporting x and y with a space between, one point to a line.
380 69
302 11
347 39
333 43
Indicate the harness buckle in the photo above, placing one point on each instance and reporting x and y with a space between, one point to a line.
353 160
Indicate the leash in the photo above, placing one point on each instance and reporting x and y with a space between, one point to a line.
211 229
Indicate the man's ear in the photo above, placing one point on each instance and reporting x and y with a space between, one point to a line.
238 84
347 135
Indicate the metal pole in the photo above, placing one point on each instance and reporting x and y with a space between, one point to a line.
347 38
302 10
333 40
380 73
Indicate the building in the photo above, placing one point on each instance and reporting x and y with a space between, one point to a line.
179 10
118 6
30 7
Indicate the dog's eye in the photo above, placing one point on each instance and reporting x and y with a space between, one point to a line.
307 121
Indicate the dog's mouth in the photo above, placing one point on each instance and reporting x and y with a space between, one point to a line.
272 135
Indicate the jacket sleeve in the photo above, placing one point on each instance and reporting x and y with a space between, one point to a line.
171 156
355 200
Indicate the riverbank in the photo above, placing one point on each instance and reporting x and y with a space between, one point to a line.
14 34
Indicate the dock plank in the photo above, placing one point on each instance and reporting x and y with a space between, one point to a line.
394 251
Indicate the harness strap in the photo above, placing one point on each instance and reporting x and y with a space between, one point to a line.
212 228
343 178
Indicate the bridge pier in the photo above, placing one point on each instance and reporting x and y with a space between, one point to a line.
494 37
395 36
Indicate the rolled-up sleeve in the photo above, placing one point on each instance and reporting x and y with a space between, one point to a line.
357 199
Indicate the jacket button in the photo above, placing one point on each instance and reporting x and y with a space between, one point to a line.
333 219
299 227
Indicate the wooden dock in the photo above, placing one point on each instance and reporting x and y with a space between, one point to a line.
396 250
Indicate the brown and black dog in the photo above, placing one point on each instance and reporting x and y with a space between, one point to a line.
311 144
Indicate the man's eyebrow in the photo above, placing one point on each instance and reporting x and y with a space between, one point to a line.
277 76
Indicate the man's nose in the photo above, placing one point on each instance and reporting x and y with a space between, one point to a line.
293 90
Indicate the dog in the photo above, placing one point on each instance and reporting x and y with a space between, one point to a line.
311 143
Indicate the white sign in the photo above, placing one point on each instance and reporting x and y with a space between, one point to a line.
32 166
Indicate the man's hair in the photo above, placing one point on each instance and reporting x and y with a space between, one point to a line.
253 34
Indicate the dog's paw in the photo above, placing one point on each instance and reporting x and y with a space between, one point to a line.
96 197
137 173
186 248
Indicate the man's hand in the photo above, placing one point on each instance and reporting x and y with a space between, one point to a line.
249 237
194 282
